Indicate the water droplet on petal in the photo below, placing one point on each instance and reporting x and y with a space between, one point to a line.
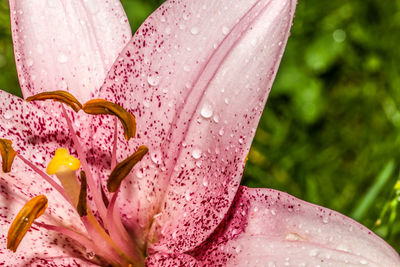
155 157
205 182
196 153
8 115
29 62
62 58
153 80
195 30
206 111
225 30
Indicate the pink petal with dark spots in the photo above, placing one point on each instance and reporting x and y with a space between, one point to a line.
171 260
266 227
66 45
196 75
35 133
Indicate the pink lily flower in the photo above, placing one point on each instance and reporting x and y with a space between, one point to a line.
196 76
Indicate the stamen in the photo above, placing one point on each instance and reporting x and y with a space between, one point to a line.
7 154
82 203
61 96
124 167
32 210
100 106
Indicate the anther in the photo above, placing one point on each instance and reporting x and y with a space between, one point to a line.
32 210
100 106
7 154
82 203
61 96
123 168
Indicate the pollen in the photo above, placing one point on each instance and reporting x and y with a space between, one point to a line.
62 161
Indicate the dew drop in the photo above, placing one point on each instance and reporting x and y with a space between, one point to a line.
155 157
196 153
216 118
205 182
62 58
139 173
8 115
195 30
221 132
90 254
225 30
153 80
29 62
187 196
146 103
313 253
238 249
168 30
206 111
325 219
186 68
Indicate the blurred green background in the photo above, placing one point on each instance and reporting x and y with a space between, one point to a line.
330 132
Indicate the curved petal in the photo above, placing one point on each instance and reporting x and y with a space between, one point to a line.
271 228
196 75
66 45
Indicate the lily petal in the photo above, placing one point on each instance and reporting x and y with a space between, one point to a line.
196 76
168 260
56 51
272 228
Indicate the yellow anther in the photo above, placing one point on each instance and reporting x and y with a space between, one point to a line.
7 154
61 96
32 210
100 106
63 161
122 169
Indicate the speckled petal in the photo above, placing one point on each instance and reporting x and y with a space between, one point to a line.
196 76
34 133
270 228
66 45
171 260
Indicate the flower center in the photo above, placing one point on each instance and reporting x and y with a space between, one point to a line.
105 234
